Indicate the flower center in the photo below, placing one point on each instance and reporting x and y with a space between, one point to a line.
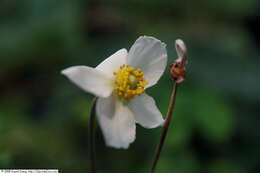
129 82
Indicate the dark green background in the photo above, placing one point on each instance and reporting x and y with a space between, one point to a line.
44 117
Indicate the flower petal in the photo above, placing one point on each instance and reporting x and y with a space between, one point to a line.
150 55
146 112
117 122
112 63
90 79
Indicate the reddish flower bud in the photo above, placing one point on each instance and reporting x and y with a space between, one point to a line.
178 72
177 68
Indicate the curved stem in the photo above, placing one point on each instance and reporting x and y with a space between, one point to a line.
90 136
165 129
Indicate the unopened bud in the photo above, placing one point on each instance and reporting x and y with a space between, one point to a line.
178 72
177 68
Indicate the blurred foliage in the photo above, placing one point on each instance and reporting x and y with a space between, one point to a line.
43 117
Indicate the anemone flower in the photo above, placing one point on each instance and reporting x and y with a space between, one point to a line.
120 82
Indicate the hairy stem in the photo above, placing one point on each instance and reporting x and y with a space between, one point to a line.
165 129
91 136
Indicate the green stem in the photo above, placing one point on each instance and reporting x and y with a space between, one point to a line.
91 136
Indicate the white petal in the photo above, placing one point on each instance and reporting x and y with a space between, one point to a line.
150 55
117 122
146 112
90 79
112 63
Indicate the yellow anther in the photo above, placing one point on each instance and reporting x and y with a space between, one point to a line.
129 82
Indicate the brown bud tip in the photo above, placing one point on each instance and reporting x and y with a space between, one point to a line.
177 71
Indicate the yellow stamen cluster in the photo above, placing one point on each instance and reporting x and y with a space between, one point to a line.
129 82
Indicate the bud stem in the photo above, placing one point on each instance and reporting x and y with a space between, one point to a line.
165 129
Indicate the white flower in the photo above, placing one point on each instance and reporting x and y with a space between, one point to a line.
119 82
